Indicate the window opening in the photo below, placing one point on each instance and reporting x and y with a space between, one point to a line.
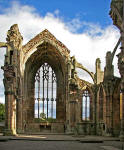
86 105
45 92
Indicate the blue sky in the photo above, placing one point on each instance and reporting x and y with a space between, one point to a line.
95 11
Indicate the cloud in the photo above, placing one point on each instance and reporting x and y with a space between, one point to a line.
91 42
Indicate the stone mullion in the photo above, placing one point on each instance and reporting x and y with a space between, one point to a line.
91 109
39 96
52 96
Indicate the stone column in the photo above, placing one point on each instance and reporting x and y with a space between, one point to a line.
95 111
109 107
111 114
122 119
117 15
121 69
10 100
72 109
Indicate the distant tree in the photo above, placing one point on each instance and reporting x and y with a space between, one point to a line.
2 111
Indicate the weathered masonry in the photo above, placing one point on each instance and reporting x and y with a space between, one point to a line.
43 92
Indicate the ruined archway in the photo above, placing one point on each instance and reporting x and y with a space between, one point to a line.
45 53
21 68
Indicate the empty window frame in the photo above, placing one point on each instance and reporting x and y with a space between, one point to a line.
86 106
45 92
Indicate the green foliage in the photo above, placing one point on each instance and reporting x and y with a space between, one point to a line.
43 116
44 119
2 112
51 119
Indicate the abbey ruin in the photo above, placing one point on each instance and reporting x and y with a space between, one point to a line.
44 93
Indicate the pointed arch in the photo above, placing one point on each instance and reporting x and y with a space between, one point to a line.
101 104
87 106
49 55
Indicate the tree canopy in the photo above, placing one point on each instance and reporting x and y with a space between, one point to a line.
2 111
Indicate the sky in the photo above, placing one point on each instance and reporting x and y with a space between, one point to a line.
84 26
90 10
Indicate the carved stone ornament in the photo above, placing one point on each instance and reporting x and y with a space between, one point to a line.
9 73
14 37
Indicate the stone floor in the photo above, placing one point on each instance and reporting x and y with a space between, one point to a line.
59 142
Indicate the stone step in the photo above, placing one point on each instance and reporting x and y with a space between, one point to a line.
109 148
90 141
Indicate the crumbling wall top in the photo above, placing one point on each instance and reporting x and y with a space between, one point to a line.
14 37
45 36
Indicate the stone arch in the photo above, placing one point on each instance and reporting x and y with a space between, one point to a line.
90 109
101 102
45 53
101 95
26 60
101 110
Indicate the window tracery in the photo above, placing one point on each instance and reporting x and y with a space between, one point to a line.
45 92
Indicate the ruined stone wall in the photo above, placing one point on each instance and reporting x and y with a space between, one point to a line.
21 65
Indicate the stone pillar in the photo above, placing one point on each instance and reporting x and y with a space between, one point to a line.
99 73
121 69
122 119
19 115
109 87
95 112
111 114
10 100
117 15
72 110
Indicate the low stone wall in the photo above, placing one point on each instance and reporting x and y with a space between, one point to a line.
46 127
86 128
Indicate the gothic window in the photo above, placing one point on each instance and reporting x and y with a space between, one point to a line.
45 92
86 105
101 104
